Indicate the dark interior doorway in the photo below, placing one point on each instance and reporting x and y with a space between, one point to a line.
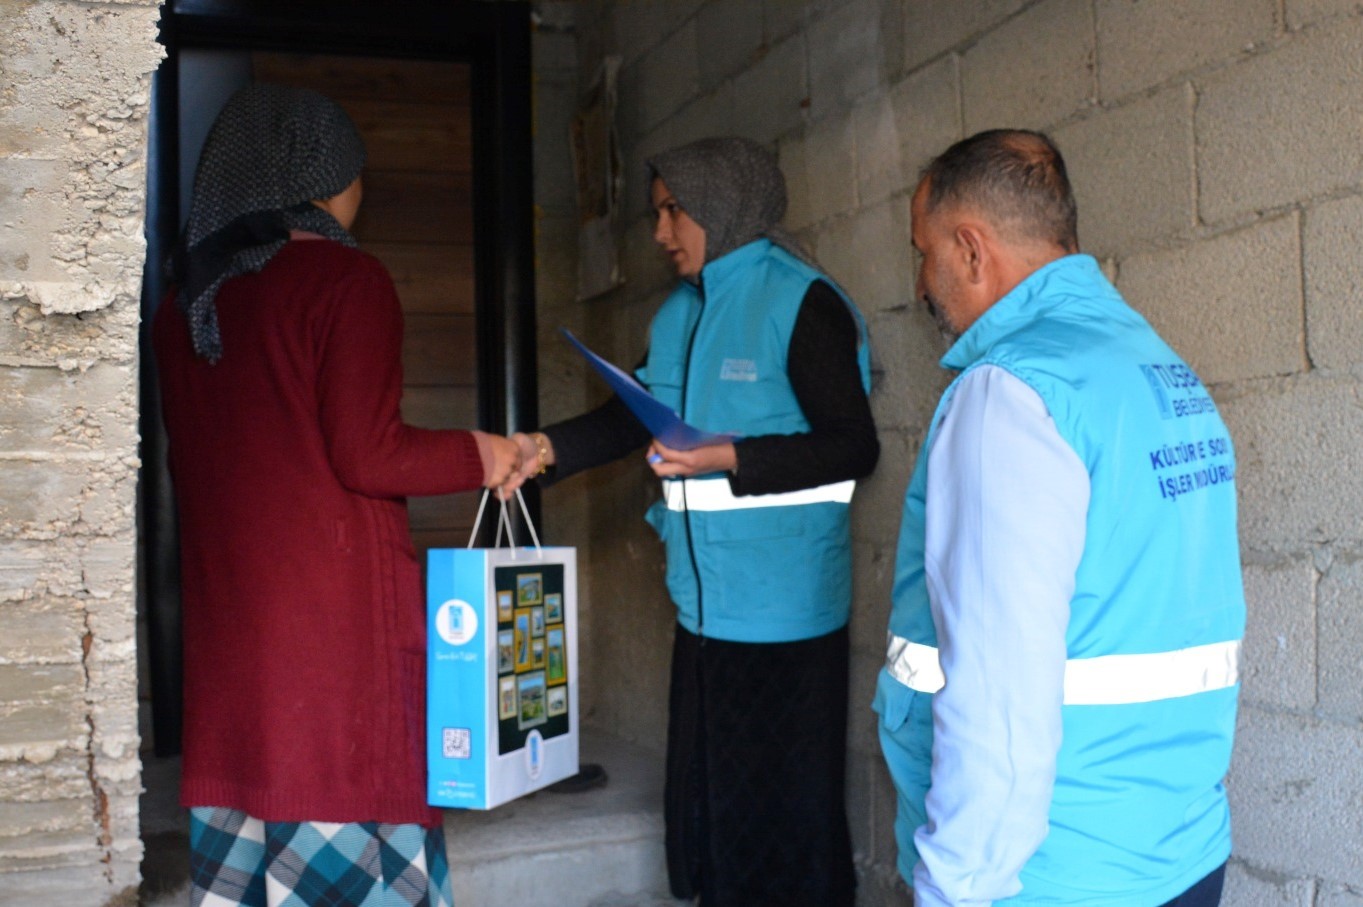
441 94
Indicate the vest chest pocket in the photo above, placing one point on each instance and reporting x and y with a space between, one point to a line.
906 737
759 569
896 703
746 525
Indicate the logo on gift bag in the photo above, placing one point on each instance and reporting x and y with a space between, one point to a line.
534 754
456 622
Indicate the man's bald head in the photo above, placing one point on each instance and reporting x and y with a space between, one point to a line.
1013 177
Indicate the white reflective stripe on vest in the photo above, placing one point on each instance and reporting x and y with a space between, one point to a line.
715 494
1104 680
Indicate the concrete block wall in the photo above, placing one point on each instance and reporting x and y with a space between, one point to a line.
74 82
1215 151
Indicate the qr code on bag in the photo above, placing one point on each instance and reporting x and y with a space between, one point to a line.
455 743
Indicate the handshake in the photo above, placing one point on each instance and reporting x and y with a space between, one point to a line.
509 462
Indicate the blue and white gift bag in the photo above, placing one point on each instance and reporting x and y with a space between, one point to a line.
501 670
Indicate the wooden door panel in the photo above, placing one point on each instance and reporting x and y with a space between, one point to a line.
447 511
368 77
440 407
438 350
411 207
432 278
408 136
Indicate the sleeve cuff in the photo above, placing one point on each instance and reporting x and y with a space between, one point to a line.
925 894
472 456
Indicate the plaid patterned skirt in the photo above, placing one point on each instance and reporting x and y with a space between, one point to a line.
238 861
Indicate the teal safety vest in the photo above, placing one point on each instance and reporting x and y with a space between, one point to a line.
754 568
1139 813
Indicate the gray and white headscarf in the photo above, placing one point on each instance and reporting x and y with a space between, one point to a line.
733 188
272 151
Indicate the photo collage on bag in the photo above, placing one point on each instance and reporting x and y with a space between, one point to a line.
532 654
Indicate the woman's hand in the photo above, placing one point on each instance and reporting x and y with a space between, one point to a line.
501 458
536 455
670 464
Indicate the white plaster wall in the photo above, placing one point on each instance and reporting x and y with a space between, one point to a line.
74 81
1215 151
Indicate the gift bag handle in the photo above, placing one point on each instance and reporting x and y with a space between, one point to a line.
504 523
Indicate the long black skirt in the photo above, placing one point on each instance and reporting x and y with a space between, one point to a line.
756 761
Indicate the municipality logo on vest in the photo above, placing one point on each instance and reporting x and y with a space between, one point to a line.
738 370
1176 378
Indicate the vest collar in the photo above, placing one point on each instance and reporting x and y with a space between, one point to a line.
720 270
1038 294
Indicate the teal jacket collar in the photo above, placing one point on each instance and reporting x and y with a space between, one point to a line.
735 262
1037 295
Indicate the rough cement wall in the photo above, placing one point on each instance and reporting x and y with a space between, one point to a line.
626 617
74 81
1215 151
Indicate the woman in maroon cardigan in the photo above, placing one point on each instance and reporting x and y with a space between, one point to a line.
304 625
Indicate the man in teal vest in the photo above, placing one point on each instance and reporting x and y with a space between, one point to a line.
1059 695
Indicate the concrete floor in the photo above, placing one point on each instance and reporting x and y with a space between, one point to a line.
597 848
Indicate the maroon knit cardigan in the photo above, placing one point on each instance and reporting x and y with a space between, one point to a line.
304 626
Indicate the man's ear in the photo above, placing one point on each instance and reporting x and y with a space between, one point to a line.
973 246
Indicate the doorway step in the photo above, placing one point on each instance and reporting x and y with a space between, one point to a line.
596 848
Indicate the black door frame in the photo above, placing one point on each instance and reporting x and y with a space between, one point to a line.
494 39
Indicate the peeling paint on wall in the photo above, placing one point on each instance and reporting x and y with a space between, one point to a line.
74 88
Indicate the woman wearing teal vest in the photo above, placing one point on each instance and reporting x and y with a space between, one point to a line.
756 342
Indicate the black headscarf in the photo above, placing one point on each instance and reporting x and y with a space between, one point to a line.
272 151
733 188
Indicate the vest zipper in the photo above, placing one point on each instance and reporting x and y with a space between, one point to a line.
686 507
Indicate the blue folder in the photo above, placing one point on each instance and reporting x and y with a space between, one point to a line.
661 420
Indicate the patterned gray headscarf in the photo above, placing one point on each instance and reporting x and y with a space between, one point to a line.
272 151
730 186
